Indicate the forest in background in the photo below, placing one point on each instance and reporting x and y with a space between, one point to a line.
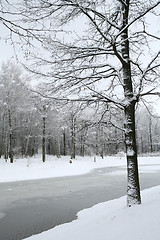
31 123
100 74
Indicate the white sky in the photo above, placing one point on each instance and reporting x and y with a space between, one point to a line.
7 51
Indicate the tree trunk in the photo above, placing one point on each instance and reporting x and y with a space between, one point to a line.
82 141
64 143
97 140
58 147
133 188
6 147
27 143
49 145
150 135
116 141
101 142
6 139
10 137
44 140
73 137
2 136
142 151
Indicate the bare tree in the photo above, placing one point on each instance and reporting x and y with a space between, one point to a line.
19 31
147 124
13 98
112 60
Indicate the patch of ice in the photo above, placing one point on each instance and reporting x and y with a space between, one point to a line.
2 215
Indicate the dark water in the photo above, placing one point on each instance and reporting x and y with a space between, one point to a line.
35 206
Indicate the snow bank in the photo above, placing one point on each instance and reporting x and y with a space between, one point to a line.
112 220
34 168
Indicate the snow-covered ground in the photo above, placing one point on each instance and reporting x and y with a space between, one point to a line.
110 220
34 168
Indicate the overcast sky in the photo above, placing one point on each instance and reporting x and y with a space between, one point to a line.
6 51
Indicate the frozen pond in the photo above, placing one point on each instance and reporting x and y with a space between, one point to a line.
30 207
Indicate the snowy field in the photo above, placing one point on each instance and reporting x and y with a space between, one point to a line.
34 168
110 220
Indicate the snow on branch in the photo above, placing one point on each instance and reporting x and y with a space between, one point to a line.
149 9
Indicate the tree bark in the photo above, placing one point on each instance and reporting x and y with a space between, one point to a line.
97 140
64 143
133 188
44 140
150 134
10 137
58 147
101 142
142 150
82 141
73 137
